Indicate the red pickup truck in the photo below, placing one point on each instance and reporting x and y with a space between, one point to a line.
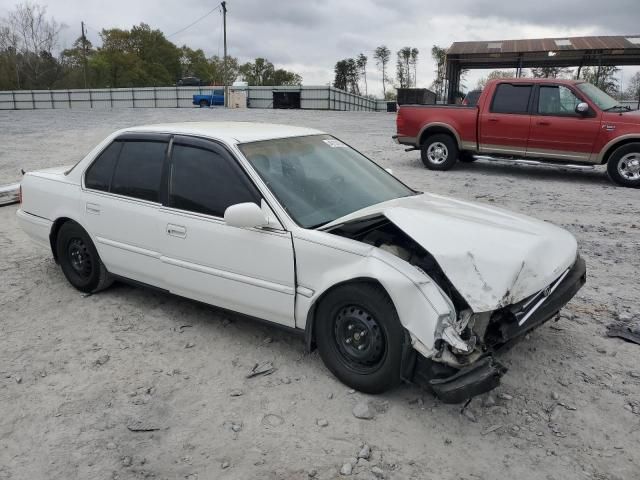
564 122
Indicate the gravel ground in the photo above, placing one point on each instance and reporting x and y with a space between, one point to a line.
78 374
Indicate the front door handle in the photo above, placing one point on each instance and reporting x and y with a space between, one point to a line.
495 120
92 208
543 123
176 230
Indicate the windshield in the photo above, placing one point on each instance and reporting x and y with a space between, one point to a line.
597 96
318 179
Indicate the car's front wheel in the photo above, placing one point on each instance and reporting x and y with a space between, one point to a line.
360 338
439 152
79 259
623 166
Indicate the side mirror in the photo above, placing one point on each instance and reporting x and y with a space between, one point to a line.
582 108
245 215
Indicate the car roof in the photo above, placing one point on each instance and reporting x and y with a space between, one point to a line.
229 132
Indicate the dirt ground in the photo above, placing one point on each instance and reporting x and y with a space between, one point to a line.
79 373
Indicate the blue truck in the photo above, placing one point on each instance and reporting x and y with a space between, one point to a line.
215 97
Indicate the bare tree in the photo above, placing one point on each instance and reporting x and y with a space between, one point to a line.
361 62
32 36
414 62
382 55
438 54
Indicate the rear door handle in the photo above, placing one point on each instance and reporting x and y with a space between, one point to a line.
544 123
92 208
176 230
492 120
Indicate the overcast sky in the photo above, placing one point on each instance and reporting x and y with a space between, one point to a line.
309 36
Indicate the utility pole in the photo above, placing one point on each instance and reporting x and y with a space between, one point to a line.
224 62
84 54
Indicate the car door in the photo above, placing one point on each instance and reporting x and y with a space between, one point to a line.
121 205
248 270
505 122
557 130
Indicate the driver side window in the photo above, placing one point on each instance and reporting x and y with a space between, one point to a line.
557 100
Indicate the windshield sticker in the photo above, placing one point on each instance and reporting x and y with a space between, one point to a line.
334 143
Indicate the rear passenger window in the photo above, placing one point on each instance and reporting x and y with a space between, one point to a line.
204 181
510 98
99 174
138 172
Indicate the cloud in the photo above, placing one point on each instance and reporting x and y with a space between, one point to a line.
309 36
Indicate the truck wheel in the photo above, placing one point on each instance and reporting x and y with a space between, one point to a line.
79 259
439 152
204 103
623 166
360 338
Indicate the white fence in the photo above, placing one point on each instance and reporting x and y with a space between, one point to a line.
316 98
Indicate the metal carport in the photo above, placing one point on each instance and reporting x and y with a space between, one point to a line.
541 52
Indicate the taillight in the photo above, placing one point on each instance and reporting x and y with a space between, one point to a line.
20 194
399 121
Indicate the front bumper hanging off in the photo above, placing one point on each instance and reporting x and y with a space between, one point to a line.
456 386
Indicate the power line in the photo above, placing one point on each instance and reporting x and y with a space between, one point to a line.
193 23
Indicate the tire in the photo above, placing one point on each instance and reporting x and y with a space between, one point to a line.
369 363
466 157
623 166
79 259
439 152
203 103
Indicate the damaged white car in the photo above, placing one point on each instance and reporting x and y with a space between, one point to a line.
292 226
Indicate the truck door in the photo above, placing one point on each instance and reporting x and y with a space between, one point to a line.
504 123
557 131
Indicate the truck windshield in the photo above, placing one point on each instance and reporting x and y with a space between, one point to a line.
318 179
597 96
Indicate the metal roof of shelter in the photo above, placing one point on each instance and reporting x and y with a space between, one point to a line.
540 52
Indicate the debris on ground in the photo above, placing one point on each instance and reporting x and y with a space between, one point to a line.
361 410
137 425
490 429
272 420
265 368
101 360
322 422
378 472
365 452
628 332
346 469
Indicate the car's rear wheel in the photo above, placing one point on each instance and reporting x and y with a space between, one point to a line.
623 166
360 338
204 103
439 152
79 259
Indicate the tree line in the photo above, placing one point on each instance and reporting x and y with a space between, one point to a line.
348 72
138 57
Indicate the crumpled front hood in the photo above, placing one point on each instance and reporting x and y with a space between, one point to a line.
492 256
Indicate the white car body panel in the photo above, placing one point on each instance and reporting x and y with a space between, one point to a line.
278 273
530 254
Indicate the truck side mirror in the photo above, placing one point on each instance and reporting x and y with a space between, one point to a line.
582 108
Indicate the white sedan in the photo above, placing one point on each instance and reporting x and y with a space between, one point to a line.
293 226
